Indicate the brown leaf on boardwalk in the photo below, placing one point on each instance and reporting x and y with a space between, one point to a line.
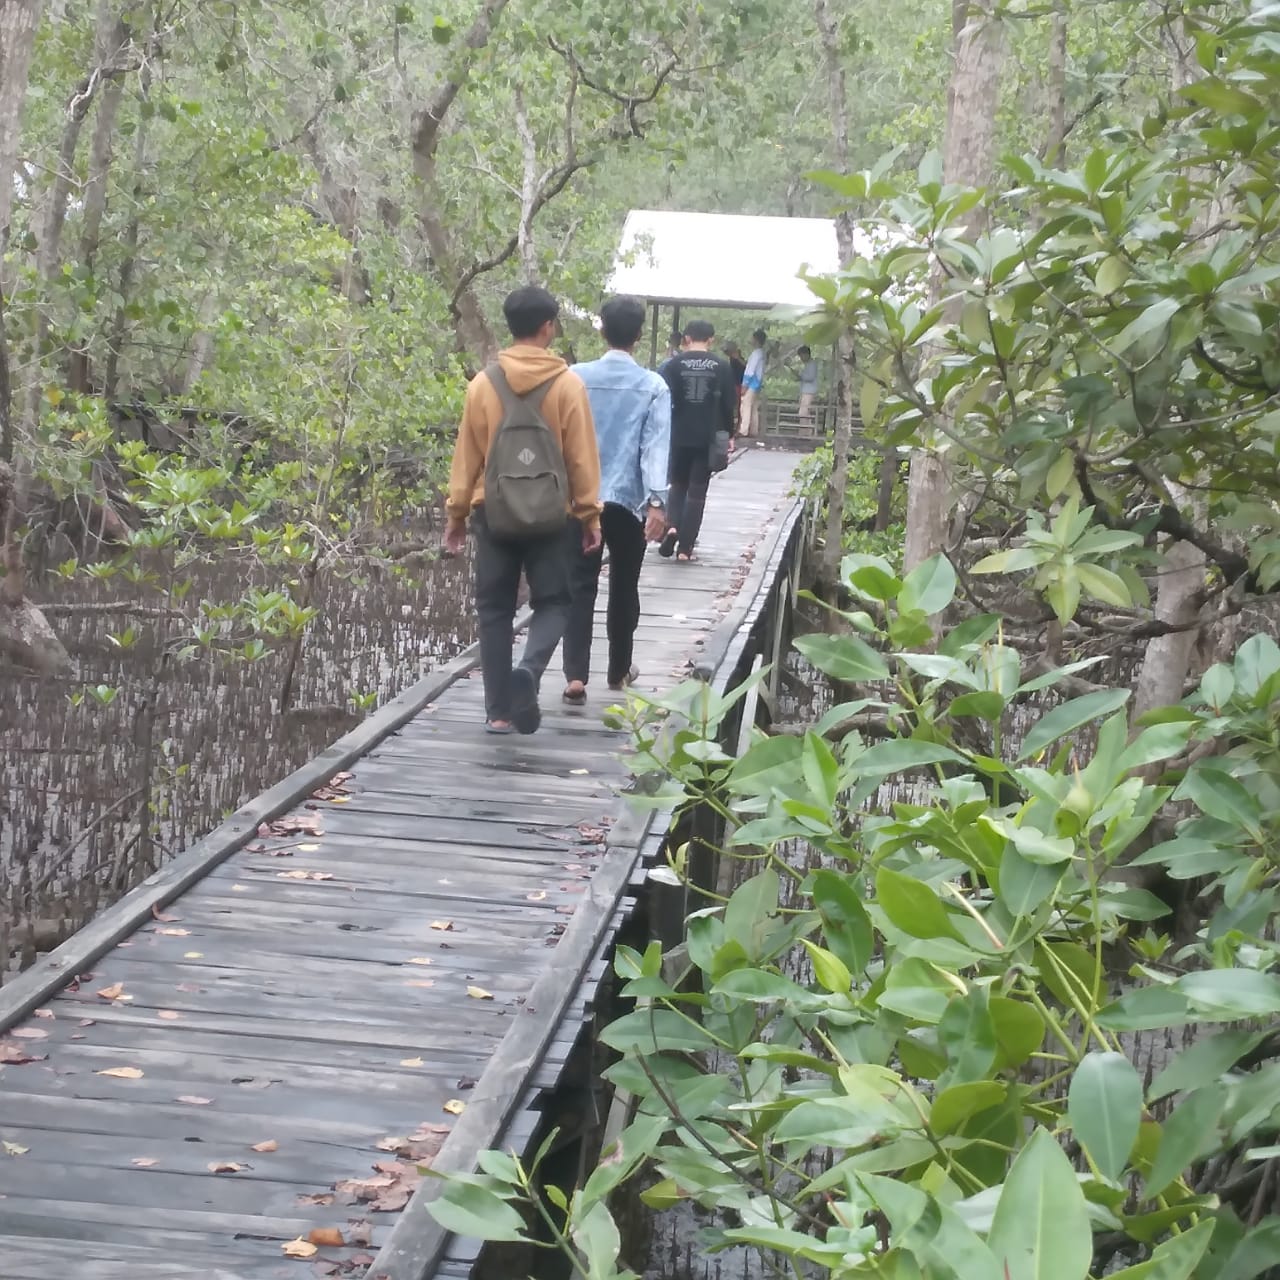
85 1022
455 1106
29 1033
442 926
121 1073
224 1166
14 1149
412 1062
175 933
144 1162
418 960
299 1248
192 1101
305 824
15 1055
113 992
479 993
327 1238
421 982
169 1015
270 1145
538 895
44 1013
359 1232
323 1199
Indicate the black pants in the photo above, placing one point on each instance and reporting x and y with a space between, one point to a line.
689 472
623 535
498 563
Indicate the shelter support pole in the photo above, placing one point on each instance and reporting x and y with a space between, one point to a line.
653 338
675 319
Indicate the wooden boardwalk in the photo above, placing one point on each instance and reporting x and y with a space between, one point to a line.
368 966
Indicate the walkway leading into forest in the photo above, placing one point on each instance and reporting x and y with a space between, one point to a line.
383 959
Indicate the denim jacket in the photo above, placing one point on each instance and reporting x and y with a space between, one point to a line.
632 410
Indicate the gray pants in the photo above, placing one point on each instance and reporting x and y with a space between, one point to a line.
546 564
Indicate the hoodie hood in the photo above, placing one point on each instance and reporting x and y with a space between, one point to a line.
527 366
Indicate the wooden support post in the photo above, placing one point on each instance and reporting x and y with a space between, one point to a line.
653 338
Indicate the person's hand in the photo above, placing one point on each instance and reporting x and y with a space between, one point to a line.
455 537
655 525
591 539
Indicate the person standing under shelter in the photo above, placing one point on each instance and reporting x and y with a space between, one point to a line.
703 400
524 462
631 407
753 384
808 383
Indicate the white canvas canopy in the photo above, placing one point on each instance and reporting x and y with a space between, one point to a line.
724 259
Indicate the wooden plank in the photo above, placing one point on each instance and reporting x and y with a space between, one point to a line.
29 990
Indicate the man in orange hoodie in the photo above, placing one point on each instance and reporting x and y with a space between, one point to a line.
511 696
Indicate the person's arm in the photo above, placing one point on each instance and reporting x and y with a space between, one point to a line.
655 444
581 451
468 453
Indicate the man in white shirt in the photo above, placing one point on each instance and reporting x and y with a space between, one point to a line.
753 384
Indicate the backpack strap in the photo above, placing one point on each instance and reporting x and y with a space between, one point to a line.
498 380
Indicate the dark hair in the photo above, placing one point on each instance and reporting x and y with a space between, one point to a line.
699 331
622 321
760 336
528 309
804 351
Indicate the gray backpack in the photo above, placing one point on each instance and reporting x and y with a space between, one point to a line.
526 486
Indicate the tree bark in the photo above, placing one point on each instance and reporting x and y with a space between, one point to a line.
1179 600
969 153
842 435
18 22
1055 88
472 329
529 186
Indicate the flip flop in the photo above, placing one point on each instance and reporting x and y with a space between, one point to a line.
491 727
667 547
575 697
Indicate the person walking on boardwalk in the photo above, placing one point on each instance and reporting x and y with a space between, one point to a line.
753 384
704 399
631 407
525 461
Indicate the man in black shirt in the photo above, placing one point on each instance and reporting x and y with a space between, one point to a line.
704 400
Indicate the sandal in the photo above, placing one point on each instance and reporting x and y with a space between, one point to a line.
493 726
666 548
575 697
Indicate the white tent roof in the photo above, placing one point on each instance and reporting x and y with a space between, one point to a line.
723 259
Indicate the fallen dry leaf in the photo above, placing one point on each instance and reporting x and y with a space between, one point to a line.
121 1073
359 1232
323 1199
193 1101
538 895
270 1145
479 993
223 1166
29 1033
157 914
15 1055
299 1248
418 960
442 926
143 1162
421 982
455 1106
193 955
579 772
308 848
44 1013
13 1149
340 800
412 1062
175 933
327 1238
239 888
304 875
169 1015
113 992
